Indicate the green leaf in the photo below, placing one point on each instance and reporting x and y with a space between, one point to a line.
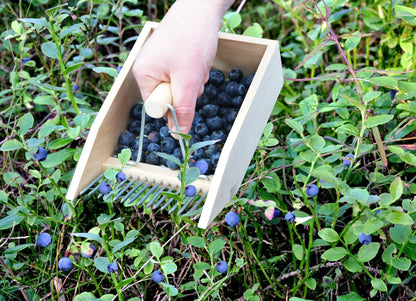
168 267
400 233
398 217
348 129
107 70
200 266
101 263
191 174
388 252
91 236
11 145
232 19
196 241
396 188
351 265
50 50
368 252
272 183
169 157
329 235
10 221
57 158
372 226
377 120
334 254
216 246
25 123
156 249
298 251
201 144
353 296
17 248
317 143
379 284
295 125
384 81
311 283
352 42
254 30
401 263
124 156
371 95
123 244
59 143
406 13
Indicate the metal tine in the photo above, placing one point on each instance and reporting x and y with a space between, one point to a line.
132 181
158 193
120 184
143 188
169 201
92 184
133 189
96 186
149 192
193 209
186 204
194 213
162 199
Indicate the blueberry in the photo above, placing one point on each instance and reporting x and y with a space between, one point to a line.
221 267
235 75
218 135
365 239
232 219
171 165
177 152
246 81
214 159
194 139
201 129
112 267
168 145
211 149
232 115
214 123
104 188
157 276
377 212
312 190
216 77
237 101
148 128
209 110
136 111
25 60
230 88
41 154
276 213
290 217
348 160
198 154
190 190
159 123
393 94
134 127
212 91
44 240
152 158
119 69
126 138
164 132
153 147
75 88
154 137
201 101
90 252
120 176
224 99
202 165
65 264
197 118
134 154
240 90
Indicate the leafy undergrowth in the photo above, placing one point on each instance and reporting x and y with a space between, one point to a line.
327 207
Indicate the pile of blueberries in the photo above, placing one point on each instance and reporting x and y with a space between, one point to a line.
215 112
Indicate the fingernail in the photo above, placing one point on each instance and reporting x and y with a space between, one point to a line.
182 129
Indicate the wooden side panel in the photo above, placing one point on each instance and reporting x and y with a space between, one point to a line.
110 121
245 134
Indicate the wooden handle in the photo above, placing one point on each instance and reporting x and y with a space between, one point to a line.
156 105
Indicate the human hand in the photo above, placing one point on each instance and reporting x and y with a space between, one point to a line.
181 51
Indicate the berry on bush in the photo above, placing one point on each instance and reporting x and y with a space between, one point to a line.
44 239
104 188
157 276
65 264
41 154
290 217
112 267
190 190
276 213
364 238
232 219
120 176
348 160
312 190
202 165
221 266
90 252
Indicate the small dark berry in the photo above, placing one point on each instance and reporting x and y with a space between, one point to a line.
202 165
120 176
235 75
290 217
224 99
153 147
218 135
134 127
112 267
190 190
216 77
237 101
365 239
312 190
154 137
127 138
211 149
201 129
168 145
65 264
104 188
214 123
136 111
201 101
221 267
164 132
44 240
232 219
157 276
119 69
41 154
246 81
152 158
209 110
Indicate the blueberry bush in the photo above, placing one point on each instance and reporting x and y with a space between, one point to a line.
326 211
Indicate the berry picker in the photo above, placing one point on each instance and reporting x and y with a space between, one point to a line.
146 182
